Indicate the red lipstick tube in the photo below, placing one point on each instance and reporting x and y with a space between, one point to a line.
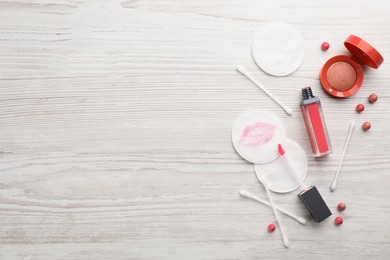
315 123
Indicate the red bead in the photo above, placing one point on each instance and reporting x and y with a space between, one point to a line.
325 46
366 126
271 228
360 108
372 98
341 206
338 221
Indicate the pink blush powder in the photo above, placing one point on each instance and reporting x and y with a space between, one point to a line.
341 76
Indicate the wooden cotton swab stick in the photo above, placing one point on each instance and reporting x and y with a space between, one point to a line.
333 185
284 236
246 74
247 195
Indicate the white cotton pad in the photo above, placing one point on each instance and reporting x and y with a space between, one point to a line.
256 136
277 173
278 49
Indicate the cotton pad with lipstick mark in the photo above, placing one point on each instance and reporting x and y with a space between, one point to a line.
255 136
277 173
342 76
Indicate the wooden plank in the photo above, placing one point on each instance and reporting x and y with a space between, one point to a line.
115 122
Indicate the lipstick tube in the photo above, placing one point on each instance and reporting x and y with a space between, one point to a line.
315 123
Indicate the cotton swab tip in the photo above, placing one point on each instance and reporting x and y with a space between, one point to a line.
240 69
333 186
243 71
288 110
245 194
280 149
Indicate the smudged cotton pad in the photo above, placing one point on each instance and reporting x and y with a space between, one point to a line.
255 136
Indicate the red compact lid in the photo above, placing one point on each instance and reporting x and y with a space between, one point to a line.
363 51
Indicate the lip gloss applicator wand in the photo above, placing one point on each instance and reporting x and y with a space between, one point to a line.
291 167
310 196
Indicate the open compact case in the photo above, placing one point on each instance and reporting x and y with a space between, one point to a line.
342 75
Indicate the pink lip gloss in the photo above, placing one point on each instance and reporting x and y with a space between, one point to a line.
315 123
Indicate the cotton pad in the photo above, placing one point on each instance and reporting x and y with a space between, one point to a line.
278 49
256 135
277 173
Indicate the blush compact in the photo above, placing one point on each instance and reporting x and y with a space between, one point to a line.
342 75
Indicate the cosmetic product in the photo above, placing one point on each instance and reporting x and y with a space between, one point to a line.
372 98
310 196
325 46
341 206
338 221
315 204
315 123
333 185
359 108
271 228
366 126
342 76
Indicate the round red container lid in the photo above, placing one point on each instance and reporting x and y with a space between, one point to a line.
363 51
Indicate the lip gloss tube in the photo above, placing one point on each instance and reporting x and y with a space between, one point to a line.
315 123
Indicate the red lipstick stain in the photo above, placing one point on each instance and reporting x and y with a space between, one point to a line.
258 134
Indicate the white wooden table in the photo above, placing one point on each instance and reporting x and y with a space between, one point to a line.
115 123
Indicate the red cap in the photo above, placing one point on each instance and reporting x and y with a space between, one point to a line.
363 51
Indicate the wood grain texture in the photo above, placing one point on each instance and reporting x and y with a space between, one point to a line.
115 122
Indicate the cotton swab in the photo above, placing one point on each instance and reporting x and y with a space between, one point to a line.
247 195
284 236
291 167
246 74
333 185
